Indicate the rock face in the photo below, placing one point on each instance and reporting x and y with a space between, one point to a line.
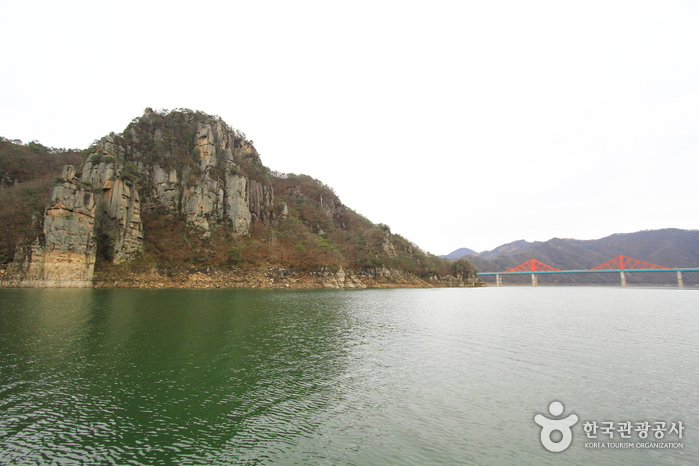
96 210
118 210
66 257
215 191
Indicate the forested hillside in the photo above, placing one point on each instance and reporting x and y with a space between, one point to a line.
179 192
26 174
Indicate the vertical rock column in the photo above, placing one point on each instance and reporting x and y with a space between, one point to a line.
118 211
67 256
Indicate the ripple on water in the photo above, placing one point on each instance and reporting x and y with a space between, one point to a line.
335 377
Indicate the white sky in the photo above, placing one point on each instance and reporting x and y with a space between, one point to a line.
457 123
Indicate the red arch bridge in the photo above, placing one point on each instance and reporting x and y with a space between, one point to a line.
620 264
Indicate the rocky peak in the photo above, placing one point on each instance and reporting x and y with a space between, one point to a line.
189 164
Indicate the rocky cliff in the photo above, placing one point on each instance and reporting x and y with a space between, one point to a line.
183 190
65 254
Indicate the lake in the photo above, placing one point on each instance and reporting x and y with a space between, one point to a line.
361 377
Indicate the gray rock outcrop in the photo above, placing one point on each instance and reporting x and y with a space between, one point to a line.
96 210
66 256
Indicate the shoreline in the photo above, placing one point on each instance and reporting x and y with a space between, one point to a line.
269 277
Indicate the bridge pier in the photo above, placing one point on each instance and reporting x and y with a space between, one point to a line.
623 278
680 282
498 280
535 281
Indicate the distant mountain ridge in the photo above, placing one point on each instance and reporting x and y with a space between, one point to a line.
507 249
670 247
461 252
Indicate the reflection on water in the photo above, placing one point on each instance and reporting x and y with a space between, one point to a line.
338 377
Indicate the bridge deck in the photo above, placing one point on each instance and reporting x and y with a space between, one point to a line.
591 271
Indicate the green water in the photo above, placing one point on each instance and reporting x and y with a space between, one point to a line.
445 376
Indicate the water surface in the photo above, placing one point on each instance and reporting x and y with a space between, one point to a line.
434 376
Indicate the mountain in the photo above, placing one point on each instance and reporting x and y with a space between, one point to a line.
507 249
667 247
181 199
461 252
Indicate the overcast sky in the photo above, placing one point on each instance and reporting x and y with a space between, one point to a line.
456 123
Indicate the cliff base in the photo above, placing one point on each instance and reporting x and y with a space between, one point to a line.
269 277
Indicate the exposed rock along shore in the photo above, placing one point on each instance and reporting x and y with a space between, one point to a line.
270 277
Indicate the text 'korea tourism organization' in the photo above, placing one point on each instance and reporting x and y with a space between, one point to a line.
557 432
